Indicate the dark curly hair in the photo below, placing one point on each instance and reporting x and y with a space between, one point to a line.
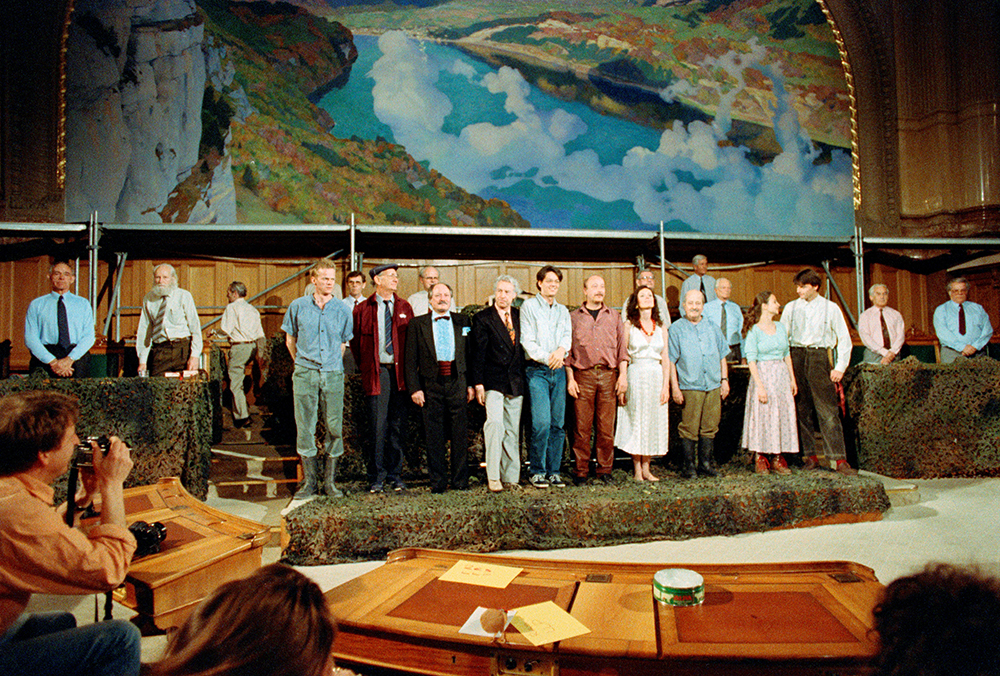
754 313
632 308
941 621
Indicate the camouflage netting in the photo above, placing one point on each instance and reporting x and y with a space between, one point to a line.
363 526
166 422
916 420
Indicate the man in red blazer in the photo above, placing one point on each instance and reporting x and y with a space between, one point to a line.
435 375
379 346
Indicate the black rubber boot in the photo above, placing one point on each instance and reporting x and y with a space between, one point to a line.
307 489
690 448
706 457
329 487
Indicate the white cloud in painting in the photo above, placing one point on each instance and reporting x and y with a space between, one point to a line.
729 194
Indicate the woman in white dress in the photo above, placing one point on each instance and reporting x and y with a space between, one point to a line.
769 425
643 430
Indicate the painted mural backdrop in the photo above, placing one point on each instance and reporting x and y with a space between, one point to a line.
714 116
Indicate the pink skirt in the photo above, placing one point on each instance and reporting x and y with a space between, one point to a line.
771 427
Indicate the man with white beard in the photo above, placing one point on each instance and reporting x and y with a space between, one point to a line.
169 333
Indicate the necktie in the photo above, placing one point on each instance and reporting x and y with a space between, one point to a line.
961 318
722 324
63 323
886 341
510 327
705 295
161 313
388 328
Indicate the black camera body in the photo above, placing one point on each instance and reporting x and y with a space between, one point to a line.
85 452
148 537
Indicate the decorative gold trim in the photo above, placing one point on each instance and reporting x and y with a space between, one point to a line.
853 105
61 105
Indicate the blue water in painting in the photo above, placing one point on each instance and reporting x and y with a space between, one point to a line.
543 207
618 175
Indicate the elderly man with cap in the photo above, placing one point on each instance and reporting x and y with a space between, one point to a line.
379 346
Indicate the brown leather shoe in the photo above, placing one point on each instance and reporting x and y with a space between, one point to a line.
778 465
760 466
812 462
844 468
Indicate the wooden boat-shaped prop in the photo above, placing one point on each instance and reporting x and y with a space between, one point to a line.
774 619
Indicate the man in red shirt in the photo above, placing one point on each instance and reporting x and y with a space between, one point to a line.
596 378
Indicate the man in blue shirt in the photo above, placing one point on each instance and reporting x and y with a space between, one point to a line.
728 316
316 328
59 327
700 381
963 328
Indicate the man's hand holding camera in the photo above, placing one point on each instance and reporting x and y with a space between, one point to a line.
107 478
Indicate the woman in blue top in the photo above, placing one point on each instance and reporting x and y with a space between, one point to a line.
769 425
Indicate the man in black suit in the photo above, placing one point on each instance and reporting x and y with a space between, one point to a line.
435 375
498 376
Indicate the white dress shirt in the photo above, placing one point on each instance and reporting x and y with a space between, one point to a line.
818 323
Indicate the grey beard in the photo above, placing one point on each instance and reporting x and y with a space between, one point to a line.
161 290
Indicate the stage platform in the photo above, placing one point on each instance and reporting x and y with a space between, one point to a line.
364 526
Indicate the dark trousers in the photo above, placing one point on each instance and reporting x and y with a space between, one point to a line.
596 407
169 355
387 415
81 367
445 411
817 394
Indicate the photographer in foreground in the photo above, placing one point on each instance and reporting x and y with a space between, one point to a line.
39 553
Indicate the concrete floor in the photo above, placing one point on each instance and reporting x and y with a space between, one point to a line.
939 520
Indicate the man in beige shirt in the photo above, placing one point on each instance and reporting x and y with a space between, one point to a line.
241 322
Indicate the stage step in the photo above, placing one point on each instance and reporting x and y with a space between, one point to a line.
254 463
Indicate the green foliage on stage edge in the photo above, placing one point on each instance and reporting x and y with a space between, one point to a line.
917 420
166 422
366 526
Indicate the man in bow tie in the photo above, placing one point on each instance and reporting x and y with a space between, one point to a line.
436 378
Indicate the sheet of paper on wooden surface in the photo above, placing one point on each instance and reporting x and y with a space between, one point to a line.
546 622
482 574
474 625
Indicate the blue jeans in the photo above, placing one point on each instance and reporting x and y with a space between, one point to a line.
50 644
307 385
547 395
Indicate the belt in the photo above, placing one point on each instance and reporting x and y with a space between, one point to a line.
242 342
171 342
806 347
597 367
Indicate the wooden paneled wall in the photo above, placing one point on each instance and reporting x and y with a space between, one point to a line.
21 281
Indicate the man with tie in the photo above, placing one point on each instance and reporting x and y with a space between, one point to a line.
728 316
881 328
816 328
316 329
498 377
379 348
700 280
59 327
963 328
169 334
436 377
